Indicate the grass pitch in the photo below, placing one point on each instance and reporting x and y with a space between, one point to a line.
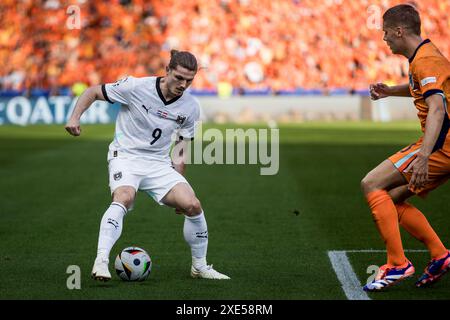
271 234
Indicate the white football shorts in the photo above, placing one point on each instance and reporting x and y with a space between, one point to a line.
156 178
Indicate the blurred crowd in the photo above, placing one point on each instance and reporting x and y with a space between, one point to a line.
240 44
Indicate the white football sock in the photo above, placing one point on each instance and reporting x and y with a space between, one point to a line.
195 233
110 229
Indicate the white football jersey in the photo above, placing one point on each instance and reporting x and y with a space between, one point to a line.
147 124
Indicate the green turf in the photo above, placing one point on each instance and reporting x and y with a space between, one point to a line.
54 191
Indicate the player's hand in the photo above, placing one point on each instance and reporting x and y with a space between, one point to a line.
419 170
378 91
73 127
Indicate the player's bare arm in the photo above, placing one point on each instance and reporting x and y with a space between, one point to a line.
83 103
381 90
435 118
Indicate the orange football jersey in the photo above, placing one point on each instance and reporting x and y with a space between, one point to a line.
429 73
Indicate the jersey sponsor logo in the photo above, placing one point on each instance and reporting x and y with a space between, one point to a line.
428 80
180 119
162 114
118 175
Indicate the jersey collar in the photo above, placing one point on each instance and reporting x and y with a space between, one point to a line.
417 49
161 96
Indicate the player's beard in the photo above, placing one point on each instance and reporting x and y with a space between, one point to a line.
395 48
177 92
392 47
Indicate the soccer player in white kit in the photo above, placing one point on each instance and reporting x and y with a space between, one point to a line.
153 110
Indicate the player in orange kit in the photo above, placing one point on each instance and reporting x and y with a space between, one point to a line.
418 168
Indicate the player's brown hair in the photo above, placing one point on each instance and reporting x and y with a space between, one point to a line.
404 15
183 58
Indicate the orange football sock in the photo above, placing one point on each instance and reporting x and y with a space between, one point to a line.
418 226
385 216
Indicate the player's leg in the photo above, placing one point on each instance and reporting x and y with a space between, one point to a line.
123 187
415 223
383 177
195 230
182 197
400 194
376 185
112 220
111 228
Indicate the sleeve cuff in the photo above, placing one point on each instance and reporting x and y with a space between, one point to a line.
431 92
105 95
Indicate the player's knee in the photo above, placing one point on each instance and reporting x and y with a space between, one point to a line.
125 197
368 184
193 207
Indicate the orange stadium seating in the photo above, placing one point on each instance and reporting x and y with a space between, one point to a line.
272 46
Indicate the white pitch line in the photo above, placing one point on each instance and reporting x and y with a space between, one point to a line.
344 271
347 277
381 251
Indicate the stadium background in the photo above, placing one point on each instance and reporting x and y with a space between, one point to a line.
268 46
292 54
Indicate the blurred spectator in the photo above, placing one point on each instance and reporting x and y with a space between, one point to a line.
248 44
